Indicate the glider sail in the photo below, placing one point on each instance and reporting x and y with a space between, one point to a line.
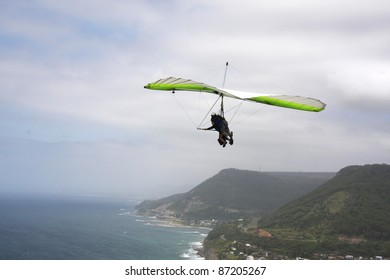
292 102
173 84
287 101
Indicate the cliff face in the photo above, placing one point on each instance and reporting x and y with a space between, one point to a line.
208 252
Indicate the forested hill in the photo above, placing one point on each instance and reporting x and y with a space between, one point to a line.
356 202
234 193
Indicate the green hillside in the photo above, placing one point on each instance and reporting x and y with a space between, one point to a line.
356 202
346 217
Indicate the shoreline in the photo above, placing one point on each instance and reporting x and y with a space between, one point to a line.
195 246
171 221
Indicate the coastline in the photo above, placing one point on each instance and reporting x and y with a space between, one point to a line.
196 249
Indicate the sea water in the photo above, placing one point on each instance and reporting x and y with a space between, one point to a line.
37 228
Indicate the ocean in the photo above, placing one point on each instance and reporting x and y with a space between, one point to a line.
89 228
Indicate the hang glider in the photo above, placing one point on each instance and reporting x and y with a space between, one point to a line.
287 101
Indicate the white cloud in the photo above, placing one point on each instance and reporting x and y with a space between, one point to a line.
363 79
77 72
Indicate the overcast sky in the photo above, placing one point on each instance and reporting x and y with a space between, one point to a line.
75 118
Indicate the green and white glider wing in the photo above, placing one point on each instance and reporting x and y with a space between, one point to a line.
292 102
174 84
287 101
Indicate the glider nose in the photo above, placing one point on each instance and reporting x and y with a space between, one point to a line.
147 86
